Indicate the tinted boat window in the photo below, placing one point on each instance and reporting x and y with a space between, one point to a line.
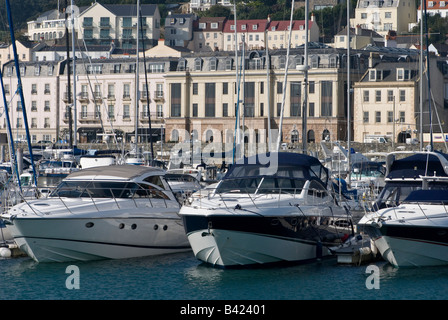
105 189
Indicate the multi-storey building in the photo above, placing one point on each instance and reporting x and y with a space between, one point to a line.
205 94
206 98
208 34
40 87
48 26
385 15
179 29
387 98
106 23
278 33
434 7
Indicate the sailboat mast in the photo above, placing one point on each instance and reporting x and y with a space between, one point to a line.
279 138
69 89
305 82
147 89
12 151
431 143
137 85
75 126
348 97
22 99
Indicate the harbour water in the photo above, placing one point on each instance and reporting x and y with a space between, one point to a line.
183 277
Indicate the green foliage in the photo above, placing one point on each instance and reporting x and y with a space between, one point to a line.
437 28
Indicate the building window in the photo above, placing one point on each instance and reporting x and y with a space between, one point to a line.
311 88
210 99
377 116
378 95
197 65
390 116
213 64
176 98
279 87
47 106
327 98
365 117
311 109
111 111
402 117
295 99
225 110
126 111
195 110
225 88
195 88
390 95
402 95
366 95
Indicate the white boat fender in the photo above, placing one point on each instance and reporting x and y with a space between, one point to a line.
5 252
364 251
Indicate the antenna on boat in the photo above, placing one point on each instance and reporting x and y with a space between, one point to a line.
22 99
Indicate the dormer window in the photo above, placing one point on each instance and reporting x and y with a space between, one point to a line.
229 64
202 25
403 74
254 27
181 65
441 3
273 29
232 27
375 75
430 4
243 27
213 64
214 25
197 64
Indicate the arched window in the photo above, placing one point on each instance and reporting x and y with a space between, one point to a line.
294 136
310 136
326 135
209 136
175 135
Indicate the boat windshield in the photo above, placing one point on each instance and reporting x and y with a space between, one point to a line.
369 169
261 185
286 171
395 192
106 189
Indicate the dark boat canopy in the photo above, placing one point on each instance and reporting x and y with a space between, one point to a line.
420 164
428 196
279 164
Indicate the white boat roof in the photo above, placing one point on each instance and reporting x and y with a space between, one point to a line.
121 172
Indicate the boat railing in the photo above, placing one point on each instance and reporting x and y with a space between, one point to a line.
155 197
228 197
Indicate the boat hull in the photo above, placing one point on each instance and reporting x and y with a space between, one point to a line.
84 239
410 246
239 241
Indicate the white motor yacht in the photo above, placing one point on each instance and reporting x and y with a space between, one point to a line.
409 223
111 212
269 208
